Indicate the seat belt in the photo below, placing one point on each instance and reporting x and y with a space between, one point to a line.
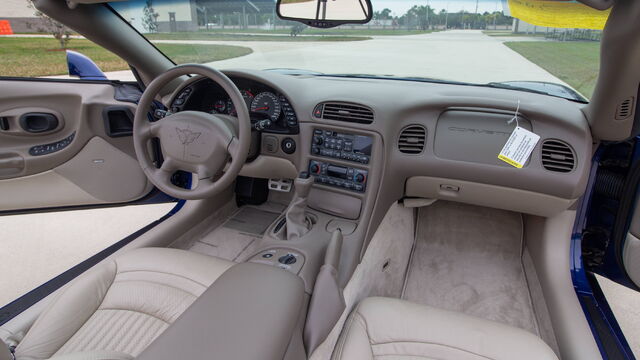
6 352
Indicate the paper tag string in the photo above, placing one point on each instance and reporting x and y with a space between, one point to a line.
515 116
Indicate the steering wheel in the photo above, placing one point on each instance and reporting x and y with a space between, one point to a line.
193 141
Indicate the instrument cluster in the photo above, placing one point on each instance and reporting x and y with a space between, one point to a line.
263 103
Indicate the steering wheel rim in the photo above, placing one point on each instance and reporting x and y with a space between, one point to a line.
206 141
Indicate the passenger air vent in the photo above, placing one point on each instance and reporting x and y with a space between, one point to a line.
412 139
625 109
558 156
344 112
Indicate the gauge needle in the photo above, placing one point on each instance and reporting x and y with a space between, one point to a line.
262 108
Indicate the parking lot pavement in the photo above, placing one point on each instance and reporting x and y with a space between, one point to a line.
461 55
36 247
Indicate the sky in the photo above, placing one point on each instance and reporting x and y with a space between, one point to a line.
399 7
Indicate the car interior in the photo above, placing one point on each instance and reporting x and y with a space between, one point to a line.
357 218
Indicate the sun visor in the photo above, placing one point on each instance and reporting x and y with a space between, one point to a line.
561 13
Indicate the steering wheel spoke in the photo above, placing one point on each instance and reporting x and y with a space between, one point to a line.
233 146
168 166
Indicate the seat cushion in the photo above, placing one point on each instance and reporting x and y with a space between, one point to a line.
121 306
392 329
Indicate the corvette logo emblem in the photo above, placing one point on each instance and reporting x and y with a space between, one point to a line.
187 136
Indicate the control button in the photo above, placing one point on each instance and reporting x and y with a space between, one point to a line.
360 178
317 132
358 187
288 145
267 255
287 259
178 101
270 144
317 112
318 140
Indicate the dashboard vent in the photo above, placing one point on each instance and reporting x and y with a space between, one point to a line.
625 109
558 156
412 139
344 112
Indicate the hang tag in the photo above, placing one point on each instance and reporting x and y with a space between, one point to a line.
519 146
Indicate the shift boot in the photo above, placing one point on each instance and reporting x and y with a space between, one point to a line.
297 222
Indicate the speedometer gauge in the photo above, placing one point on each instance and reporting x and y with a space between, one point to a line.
267 103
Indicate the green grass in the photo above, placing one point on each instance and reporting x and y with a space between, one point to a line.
214 36
576 63
42 57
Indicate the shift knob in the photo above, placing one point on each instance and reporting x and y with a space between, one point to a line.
302 185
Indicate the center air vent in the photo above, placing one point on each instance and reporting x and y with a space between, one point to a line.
412 139
344 112
558 156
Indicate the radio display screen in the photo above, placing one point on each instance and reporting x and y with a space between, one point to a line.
362 145
337 171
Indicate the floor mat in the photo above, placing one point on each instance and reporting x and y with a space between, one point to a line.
468 259
245 226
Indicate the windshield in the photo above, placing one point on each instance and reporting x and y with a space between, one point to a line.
470 41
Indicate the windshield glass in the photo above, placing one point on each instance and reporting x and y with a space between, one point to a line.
470 41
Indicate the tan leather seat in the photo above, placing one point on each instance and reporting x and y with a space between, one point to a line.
389 329
115 310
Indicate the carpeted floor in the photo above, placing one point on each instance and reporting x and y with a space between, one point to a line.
468 259
245 226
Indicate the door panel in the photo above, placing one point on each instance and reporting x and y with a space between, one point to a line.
67 161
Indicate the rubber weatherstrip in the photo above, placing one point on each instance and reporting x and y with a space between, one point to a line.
29 299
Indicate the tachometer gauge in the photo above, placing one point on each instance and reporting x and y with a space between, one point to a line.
248 98
219 107
267 103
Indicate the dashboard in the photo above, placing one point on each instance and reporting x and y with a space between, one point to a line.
263 102
367 142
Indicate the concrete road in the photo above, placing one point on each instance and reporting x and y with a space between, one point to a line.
462 55
35 248
625 304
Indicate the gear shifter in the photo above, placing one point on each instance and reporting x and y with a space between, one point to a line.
297 222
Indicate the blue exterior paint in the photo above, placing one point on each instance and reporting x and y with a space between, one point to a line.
584 282
83 67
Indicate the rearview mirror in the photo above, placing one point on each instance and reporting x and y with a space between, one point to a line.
325 13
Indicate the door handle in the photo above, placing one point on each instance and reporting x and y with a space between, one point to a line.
38 122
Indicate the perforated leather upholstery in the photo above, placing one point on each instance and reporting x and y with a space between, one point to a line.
114 311
392 329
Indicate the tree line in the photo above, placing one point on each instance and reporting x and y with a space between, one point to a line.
425 17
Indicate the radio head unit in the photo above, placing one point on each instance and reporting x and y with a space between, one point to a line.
343 146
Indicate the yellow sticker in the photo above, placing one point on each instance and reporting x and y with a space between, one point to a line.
558 14
518 148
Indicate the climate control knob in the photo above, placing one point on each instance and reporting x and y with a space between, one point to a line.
318 140
360 178
315 168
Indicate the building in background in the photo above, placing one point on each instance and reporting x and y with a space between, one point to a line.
21 17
